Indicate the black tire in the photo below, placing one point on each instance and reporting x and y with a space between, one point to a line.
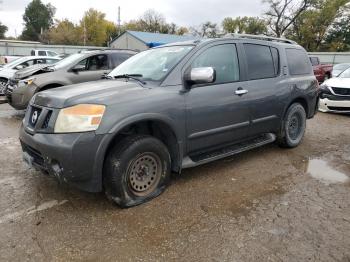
136 170
293 126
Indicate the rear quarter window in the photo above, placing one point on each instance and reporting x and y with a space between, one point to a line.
298 62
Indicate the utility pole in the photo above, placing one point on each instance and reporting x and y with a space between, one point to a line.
84 33
119 29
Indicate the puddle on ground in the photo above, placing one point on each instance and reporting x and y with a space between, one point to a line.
321 170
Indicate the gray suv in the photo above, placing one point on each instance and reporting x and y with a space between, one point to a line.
169 108
77 68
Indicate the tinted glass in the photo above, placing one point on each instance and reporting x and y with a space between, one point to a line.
260 61
42 53
97 62
314 61
223 58
276 60
298 62
118 58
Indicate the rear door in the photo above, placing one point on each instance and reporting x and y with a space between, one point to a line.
265 87
216 115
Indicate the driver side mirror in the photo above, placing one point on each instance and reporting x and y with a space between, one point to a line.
78 68
19 67
200 75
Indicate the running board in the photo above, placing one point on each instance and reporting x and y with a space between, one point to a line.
234 149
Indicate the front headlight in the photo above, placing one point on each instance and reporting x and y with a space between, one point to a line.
26 82
79 118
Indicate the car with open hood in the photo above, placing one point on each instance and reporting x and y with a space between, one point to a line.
77 68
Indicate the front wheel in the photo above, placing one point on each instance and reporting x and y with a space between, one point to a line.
3 83
293 126
136 170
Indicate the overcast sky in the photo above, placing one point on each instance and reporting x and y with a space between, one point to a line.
181 12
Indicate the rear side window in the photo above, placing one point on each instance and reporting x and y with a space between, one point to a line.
298 62
223 58
314 61
42 53
118 58
262 62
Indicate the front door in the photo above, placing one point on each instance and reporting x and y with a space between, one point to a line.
216 113
89 69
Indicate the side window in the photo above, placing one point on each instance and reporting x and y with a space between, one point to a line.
51 53
118 58
40 61
314 61
27 63
298 62
97 62
260 61
223 58
276 60
51 61
42 53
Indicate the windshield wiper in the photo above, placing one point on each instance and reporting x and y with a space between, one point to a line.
131 76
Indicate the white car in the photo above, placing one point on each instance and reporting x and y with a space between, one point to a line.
335 94
7 71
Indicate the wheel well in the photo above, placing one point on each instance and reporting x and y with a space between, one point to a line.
301 101
4 78
156 129
49 86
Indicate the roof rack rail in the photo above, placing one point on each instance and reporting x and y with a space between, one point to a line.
260 37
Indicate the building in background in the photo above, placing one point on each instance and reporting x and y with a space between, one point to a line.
143 40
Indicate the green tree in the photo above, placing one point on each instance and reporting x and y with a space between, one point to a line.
38 18
3 30
246 24
310 29
65 32
338 37
207 29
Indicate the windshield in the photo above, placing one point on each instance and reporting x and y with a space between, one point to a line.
67 61
345 74
341 67
152 64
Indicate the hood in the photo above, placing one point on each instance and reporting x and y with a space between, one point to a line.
31 70
338 82
99 92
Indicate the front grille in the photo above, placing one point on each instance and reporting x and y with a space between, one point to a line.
337 108
35 154
47 120
341 91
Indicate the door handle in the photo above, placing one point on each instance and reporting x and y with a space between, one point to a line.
241 91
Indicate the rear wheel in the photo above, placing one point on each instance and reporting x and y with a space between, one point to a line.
293 126
136 170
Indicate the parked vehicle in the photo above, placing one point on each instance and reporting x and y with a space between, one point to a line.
340 68
168 108
335 94
7 59
8 71
321 71
43 53
76 68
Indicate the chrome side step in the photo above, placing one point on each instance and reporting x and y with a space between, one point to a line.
203 158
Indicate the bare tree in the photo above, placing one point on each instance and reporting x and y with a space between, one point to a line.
282 13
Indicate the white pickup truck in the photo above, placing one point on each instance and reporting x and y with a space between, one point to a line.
40 52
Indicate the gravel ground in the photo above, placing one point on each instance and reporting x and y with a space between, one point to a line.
269 204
